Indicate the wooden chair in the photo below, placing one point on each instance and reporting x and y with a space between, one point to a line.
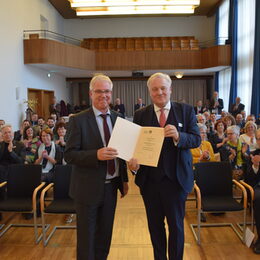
121 44
194 45
185 44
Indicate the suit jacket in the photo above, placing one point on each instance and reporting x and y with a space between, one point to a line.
138 106
220 105
185 122
234 111
18 153
251 177
200 111
88 173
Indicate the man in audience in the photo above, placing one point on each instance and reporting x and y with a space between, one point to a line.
139 104
250 118
11 152
165 188
119 107
54 107
201 119
237 107
252 177
97 174
2 122
216 104
51 123
199 109
239 121
34 120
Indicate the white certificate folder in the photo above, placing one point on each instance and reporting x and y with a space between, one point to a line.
133 141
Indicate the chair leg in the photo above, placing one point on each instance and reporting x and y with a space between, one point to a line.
43 230
244 227
199 224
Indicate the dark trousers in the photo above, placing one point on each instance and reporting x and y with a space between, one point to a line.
257 209
95 225
165 199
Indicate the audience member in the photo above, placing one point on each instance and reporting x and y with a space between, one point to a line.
252 177
11 151
119 107
2 122
233 151
237 107
34 119
250 118
201 119
243 113
18 135
218 139
54 117
207 115
216 104
229 120
31 143
61 136
203 153
48 155
51 123
210 124
239 122
63 109
223 114
139 104
54 107
83 105
199 109
248 137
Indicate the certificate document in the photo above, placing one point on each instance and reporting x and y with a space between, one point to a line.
133 141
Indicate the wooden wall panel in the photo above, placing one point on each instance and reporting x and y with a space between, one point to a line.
58 53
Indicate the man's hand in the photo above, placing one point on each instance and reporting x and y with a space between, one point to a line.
171 131
10 146
125 189
133 165
106 153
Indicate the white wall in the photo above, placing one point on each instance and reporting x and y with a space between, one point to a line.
199 26
16 16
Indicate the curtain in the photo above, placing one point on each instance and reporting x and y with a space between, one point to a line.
233 85
245 50
255 103
224 86
188 91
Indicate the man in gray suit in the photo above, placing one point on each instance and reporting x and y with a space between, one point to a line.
97 174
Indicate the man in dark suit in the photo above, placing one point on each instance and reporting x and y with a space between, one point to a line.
237 107
119 107
96 174
139 104
252 177
216 104
199 109
165 188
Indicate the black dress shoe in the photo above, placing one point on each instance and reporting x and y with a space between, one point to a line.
256 247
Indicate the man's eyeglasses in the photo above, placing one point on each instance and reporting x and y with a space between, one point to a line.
99 91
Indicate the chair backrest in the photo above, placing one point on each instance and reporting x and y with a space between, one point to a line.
214 178
61 180
22 180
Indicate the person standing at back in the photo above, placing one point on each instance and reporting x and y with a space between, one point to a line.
165 188
96 173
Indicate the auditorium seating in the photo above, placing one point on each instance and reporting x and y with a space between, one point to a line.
141 43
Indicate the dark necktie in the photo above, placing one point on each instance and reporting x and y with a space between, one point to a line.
110 163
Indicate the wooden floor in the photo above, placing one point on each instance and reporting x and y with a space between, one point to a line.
130 238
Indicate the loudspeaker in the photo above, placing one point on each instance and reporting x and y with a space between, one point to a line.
137 74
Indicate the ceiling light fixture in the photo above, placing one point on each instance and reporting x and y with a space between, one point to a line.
178 74
127 7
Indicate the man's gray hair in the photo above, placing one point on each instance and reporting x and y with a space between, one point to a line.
159 75
235 129
100 77
5 126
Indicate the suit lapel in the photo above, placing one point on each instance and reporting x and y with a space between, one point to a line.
148 120
93 125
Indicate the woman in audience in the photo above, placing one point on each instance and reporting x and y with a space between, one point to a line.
252 177
18 135
201 119
249 137
48 154
233 151
31 142
218 139
204 153
229 120
60 139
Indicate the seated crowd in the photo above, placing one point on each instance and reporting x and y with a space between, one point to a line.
235 138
